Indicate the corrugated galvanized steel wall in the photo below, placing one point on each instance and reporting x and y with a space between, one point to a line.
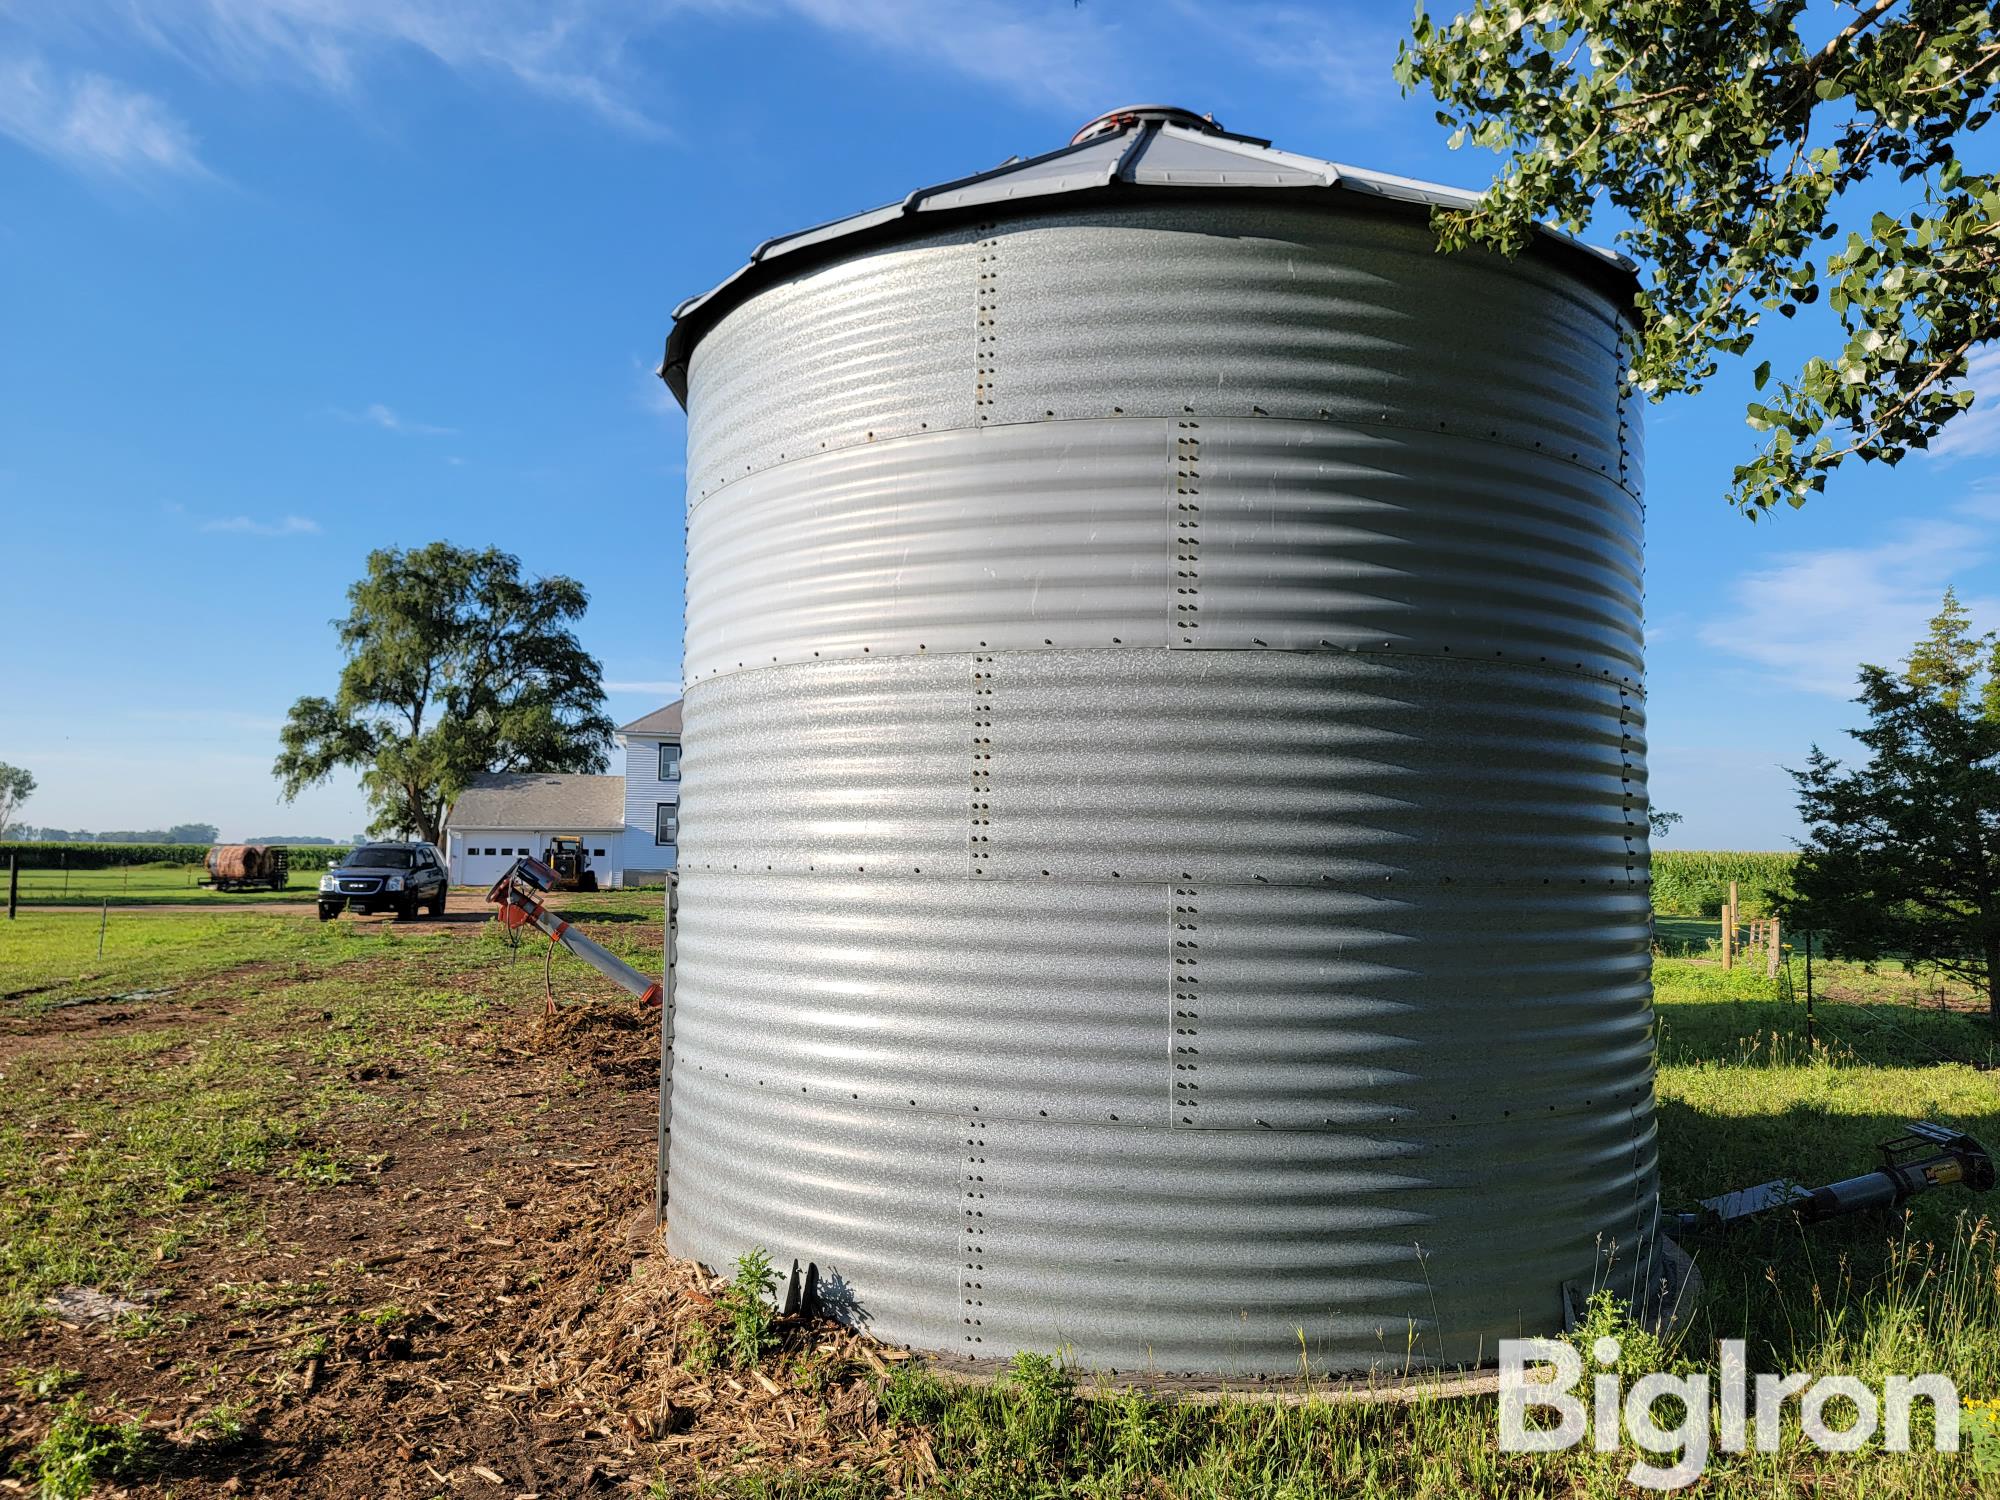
1163 855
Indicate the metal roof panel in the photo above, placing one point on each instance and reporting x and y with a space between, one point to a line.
1149 147
1069 170
1174 156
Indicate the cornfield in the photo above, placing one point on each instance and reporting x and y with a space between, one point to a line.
1695 882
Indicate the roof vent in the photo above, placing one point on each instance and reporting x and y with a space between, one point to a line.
1114 120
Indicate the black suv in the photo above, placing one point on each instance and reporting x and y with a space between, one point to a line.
384 877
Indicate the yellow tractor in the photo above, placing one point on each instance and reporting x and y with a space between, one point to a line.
571 862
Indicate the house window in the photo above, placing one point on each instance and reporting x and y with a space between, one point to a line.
597 853
670 768
667 828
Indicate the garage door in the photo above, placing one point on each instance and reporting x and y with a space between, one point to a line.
484 859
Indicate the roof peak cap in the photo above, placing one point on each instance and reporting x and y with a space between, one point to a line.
1126 116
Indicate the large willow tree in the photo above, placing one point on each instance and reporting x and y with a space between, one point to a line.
456 666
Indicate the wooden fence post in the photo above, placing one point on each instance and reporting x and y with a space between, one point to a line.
1771 963
1809 995
1732 920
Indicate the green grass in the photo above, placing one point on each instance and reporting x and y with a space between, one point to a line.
50 957
629 923
1044 1430
1744 1094
1747 1093
113 1151
164 884
99 1187
155 885
121 1150
79 1450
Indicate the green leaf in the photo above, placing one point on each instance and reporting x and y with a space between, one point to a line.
1730 144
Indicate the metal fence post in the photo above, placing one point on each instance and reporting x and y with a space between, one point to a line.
13 884
666 1043
1809 993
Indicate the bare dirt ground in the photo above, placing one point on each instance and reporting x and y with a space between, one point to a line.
475 1301
339 1211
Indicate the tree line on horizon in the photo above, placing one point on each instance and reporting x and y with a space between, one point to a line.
180 833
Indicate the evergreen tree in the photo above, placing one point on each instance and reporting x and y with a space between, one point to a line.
1903 861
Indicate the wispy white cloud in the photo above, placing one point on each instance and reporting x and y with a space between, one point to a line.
1810 619
582 52
594 54
573 52
377 415
650 689
1049 50
650 391
1975 432
88 121
1346 55
249 526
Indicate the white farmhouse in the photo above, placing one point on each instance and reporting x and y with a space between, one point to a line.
629 823
652 794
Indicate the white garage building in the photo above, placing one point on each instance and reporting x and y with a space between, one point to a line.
630 823
500 817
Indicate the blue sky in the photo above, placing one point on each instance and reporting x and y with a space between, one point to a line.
283 282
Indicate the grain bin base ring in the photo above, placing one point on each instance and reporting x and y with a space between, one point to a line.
1674 1296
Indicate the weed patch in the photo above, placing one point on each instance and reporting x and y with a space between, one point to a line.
749 1322
79 1450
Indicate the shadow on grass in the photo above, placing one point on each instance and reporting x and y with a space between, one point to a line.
1679 936
1771 1280
1777 1034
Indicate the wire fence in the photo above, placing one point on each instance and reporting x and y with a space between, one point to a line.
146 882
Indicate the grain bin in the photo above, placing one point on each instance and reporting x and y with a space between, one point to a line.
1163 851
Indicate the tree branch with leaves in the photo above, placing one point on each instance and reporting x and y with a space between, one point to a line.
16 787
1737 147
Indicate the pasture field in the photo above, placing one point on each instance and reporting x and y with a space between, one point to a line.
159 884
165 884
338 1210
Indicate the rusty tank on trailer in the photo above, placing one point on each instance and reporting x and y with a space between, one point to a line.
239 867
1163 842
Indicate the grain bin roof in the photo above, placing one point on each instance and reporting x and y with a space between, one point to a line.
546 800
1158 149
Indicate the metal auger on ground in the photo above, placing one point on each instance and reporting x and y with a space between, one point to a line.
519 895
1923 1157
